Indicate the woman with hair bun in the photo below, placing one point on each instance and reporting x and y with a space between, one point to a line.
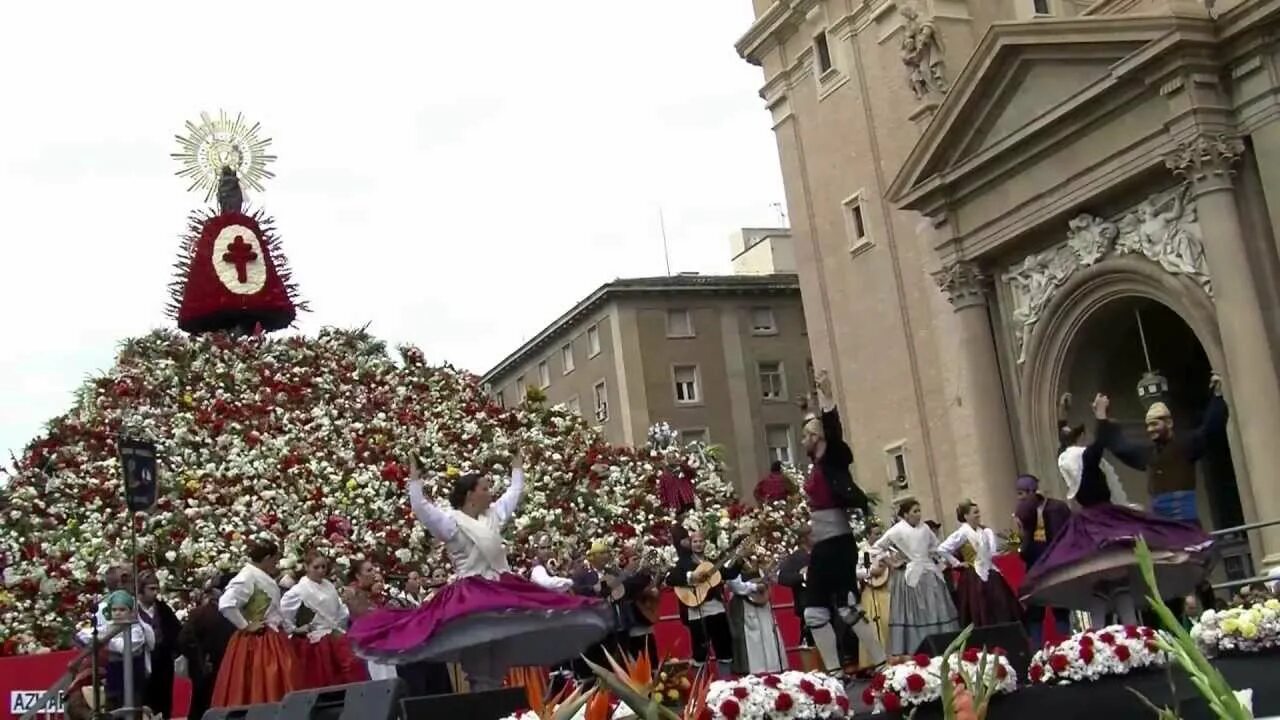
983 596
258 666
316 619
919 602
488 619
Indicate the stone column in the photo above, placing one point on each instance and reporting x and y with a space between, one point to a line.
986 466
1252 384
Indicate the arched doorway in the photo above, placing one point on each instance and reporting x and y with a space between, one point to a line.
1106 354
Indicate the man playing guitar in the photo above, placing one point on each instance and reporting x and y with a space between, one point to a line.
702 609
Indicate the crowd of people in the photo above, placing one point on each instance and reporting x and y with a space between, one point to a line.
251 640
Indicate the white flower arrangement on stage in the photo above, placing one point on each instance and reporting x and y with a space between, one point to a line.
1087 656
918 680
1240 629
790 695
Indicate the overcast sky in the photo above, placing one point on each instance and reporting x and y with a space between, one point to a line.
455 174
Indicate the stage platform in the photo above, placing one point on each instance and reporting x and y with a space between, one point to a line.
1112 698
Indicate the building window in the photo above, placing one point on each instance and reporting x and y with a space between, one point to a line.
593 341
896 466
566 358
822 52
695 436
777 439
521 391
601 397
679 323
501 400
686 383
762 321
1040 7
773 385
574 405
544 375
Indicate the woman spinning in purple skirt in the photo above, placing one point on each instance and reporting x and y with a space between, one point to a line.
488 619
1090 564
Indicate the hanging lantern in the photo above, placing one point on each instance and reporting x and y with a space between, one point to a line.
1153 387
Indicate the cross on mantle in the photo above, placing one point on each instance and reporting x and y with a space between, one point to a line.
240 254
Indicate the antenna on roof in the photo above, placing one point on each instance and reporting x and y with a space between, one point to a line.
666 249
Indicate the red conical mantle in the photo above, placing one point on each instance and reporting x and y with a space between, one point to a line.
232 276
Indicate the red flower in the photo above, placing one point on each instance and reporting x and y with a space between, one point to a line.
970 655
1086 654
1131 632
842 702
740 692
784 702
706 714
807 687
891 702
771 681
1106 638
922 660
915 682
878 681
1086 641
868 696
730 709
1059 662
1001 672
822 697
1148 632
1122 653
1036 672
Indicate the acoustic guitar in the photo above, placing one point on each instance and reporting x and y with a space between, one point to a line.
762 597
648 603
696 595
880 573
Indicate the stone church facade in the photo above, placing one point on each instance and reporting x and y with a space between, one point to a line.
998 202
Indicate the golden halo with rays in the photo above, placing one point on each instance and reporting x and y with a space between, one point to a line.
224 141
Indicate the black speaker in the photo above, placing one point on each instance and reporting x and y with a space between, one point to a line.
373 700
265 711
488 705
1010 636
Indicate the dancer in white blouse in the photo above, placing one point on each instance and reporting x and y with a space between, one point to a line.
488 619
983 596
919 603
316 619
258 666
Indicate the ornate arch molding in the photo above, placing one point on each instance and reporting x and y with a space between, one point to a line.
1050 346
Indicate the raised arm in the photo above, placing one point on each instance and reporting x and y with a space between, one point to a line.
505 506
438 522
1214 422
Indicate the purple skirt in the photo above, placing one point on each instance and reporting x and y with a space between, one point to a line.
519 622
1095 548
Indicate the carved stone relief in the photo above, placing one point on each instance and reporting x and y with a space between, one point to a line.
922 55
1162 228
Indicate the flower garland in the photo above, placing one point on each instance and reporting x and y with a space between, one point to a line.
304 440
783 696
1239 629
1089 655
918 680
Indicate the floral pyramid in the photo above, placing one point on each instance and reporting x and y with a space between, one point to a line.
306 440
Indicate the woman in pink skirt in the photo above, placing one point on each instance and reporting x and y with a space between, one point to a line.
488 619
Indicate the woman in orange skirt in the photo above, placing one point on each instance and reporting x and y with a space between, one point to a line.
258 666
317 620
